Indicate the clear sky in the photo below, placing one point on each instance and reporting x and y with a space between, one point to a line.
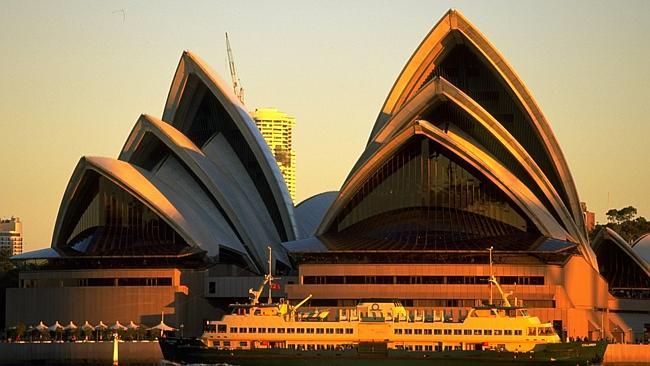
75 76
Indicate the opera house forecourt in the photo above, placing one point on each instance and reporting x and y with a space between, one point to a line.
460 159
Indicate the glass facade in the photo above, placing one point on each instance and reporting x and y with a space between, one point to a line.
110 221
625 277
420 196
448 115
465 70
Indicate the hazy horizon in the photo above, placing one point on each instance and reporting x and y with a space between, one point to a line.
78 74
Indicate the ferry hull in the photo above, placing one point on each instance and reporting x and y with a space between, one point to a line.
193 351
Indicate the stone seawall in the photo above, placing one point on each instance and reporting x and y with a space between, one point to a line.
632 353
141 353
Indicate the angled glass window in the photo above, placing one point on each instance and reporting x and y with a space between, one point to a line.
421 196
466 71
448 115
110 220
625 277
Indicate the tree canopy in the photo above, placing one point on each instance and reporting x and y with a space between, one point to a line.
625 223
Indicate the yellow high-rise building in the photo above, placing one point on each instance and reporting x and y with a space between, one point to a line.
276 127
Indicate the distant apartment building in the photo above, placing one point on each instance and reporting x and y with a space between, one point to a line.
590 217
276 127
11 235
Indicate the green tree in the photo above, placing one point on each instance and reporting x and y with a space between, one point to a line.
622 215
625 223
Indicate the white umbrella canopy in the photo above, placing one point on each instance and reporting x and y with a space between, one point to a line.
41 327
117 326
87 326
132 325
70 326
101 326
56 326
162 327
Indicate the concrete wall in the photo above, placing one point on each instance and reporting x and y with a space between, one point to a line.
619 353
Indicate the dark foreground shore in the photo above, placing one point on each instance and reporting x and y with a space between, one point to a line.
100 353
148 353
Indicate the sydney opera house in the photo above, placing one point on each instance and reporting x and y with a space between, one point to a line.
460 158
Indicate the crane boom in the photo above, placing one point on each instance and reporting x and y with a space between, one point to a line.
236 85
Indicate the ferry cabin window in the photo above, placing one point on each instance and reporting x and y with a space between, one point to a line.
477 332
212 287
437 331
447 331
408 331
518 332
428 332
222 328
233 330
497 332
271 330
226 343
242 330
280 330
417 331
291 330
467 332
398 331
418 348
507 332
320 330
487 332
210 328
428 347
340 330
532 331
310 330
457 332
348 331
243 344
301 330
545 331
330 330
251 330
261 330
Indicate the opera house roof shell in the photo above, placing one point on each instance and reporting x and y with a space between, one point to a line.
201 180
460 158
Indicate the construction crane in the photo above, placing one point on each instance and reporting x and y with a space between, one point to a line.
236 85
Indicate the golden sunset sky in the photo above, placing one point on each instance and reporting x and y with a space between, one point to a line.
77 74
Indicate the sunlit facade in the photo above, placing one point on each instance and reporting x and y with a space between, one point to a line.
277 130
